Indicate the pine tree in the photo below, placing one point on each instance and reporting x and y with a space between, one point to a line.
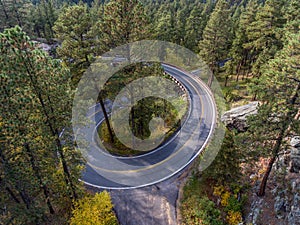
165 26
240 52
36 98
73 29
44 14
180 25
15 12
124 21
195 25
216 36
227 165
278 115
292 16
265 33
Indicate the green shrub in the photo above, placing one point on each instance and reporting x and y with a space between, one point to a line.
200 211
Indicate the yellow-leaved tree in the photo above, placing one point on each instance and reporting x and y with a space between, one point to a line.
94 210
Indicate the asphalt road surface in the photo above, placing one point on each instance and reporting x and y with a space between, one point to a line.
110 172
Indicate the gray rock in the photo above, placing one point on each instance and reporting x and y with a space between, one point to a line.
295 154
279 207
294 215
236 118
295 142
45 47
255 211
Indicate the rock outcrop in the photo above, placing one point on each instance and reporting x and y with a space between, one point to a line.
295 154
294 213
236 118
286 177
283 203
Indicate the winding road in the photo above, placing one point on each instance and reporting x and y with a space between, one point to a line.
111 172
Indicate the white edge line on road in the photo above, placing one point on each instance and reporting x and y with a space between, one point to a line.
192 159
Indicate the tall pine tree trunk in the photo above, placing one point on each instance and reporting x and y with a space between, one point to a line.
238 71
25 198
211 77
276 149
226 80
38 176
111 136
50 122
277 146
10 192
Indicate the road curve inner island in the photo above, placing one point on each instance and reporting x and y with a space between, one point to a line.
110 172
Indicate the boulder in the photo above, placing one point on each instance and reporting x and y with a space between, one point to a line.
236 118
